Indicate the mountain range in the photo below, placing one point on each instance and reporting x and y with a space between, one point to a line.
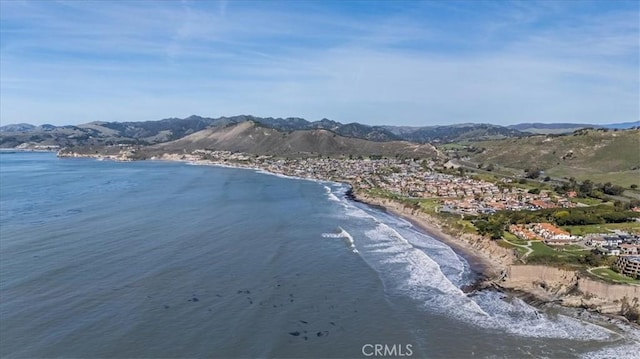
597 153
153 132
256 138
303 135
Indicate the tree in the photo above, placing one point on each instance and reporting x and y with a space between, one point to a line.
634 186
561 214
611 189
490 167
585 188
547 179
532 172
494 227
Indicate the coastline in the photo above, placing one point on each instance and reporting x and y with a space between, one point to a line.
16 150
483 265
493 271
205 177
486 259
487 266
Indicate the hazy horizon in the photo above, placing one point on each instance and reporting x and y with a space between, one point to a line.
312 120
406 63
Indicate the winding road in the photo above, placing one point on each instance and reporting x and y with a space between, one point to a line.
527 247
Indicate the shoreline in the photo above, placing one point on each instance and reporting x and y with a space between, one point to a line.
486 259
480 265
490 271
484 267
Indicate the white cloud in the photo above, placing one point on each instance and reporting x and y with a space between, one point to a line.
141 61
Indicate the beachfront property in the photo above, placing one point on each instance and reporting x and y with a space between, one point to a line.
552 234
522 232
608 251
546 232
619 244
402 177
629 266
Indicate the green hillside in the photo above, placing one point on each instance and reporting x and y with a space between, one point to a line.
599 155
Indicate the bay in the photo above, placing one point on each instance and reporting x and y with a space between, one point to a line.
156 259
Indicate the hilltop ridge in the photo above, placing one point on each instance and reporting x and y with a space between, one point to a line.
170 129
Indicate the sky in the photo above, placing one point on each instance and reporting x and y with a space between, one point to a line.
414 63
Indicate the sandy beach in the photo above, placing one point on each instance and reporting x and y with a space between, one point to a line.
484 257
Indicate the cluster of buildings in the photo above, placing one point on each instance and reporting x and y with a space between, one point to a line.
629 266
614 244
489 198
546 232
403 177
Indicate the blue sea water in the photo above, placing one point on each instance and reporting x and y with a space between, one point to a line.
156 259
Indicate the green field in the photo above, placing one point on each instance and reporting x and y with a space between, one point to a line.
602 228
622 178
611 275
545 254
589 201
571 248
466 226
540 248
429 205
602 156
521 251
513 239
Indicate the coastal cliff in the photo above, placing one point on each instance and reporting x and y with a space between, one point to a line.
542 284
568 288
493 259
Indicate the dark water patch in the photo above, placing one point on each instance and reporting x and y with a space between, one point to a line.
144 249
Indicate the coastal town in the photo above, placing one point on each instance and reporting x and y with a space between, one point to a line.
320 179
403 177
454 194
451 192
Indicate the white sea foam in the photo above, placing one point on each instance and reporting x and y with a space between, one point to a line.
353 211
517 317
332 197
617 351
413 264
348 238
410 271
414 273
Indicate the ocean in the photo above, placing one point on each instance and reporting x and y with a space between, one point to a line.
157 259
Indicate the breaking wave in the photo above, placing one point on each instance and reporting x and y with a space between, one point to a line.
413 264
348 238
332 197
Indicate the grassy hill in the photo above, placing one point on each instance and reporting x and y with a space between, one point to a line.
252 137
453 133
599 155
